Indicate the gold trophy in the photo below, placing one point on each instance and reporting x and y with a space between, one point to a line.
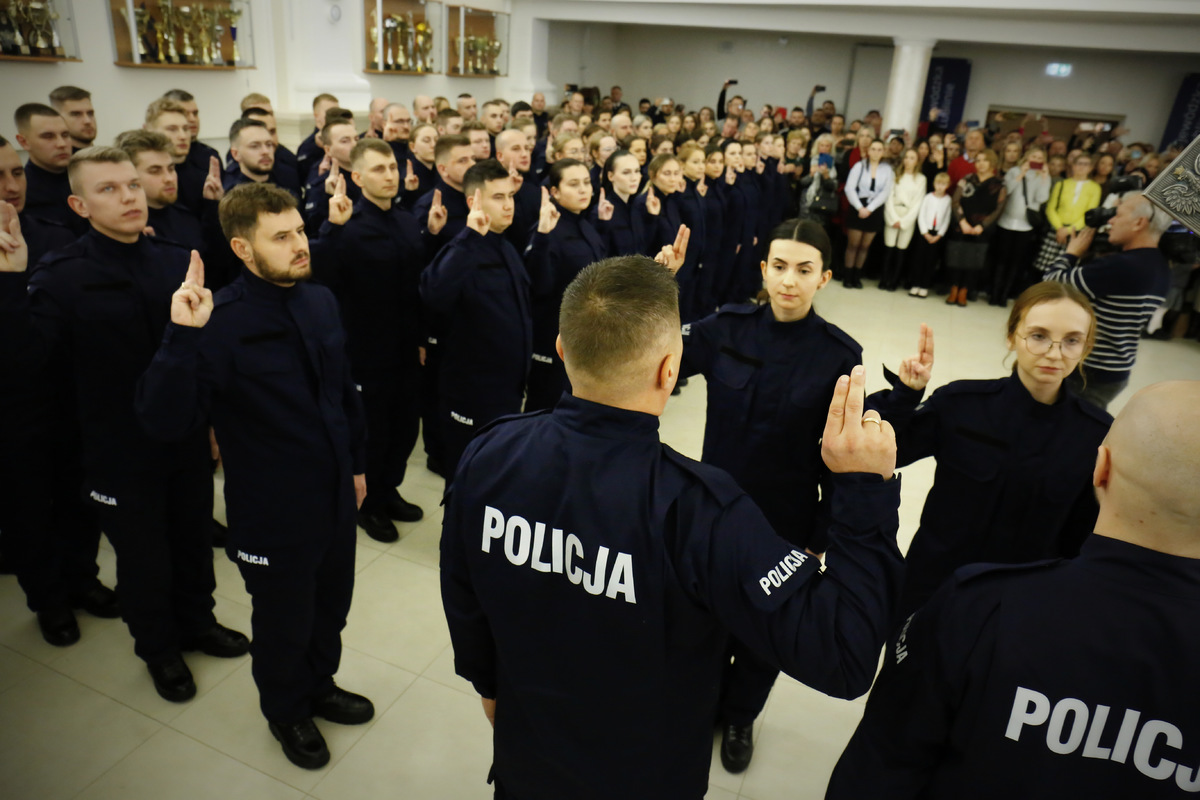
374 32
16 14
389 36
140 20
458 54
425 46
187 21
170 25
496 46
232 15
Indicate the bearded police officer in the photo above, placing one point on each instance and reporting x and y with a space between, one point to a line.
267 359
591 575
1059 678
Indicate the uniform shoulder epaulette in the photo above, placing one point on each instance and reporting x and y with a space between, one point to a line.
718 482
73 250
511 418
742 309
990 386
843 337
1094 411
228 294
49 223
974 573
170 243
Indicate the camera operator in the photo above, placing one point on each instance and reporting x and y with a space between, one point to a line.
1125 288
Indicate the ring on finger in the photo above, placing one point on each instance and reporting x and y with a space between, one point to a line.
876 420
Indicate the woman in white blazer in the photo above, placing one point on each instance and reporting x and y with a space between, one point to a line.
900 217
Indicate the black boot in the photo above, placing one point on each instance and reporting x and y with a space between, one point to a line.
737 747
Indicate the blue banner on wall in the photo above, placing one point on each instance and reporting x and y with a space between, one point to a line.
946 89
1184 123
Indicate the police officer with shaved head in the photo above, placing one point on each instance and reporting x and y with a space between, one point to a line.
591 575
1066 678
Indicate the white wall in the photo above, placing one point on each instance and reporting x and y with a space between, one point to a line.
1140 86
585 53
121 94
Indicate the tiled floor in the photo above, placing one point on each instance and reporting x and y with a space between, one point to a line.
85 721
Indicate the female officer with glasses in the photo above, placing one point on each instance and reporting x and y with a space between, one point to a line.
1014 455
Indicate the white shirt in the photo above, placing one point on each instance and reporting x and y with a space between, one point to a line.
859 183
904 202
934 214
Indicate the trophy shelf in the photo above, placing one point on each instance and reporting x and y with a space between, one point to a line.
477 45
35 31
169 34
402 37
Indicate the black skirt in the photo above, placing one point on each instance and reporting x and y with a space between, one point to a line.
872 224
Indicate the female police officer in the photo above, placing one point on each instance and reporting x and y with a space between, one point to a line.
1014 455
769 368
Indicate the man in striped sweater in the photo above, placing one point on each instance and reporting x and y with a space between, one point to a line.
1125 288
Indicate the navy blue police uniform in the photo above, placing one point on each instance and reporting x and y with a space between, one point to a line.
427 180
691 213
636 563
49 536
193 172
624 234
479 286
46 196
527 205
281 176
270 369
373 263
733 242
553 260
308 155
1013 480
316 201
201 233
106 303
455 204
769 385
1068 678
715 270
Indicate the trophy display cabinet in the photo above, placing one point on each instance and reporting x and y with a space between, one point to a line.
402 36
165 34
478 43
37 30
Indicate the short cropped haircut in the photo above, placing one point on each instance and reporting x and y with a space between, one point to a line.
324 97
441 152
561 141
136 142
254 112
331 122
520 106
447 113
241 206
94 155
180 96
480 173
27 112
66 94
1158 219
474 125
614 312
554 175
369 145
163 105
255 99
559 119
235 130
466 95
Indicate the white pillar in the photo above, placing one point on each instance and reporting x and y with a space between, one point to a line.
906 86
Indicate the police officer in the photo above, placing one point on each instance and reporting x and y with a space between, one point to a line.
103 301
768 369
562 245
196 162
1012 481
310 152
267 360
339 136
513 152
151 156
590 574
253 150
370 255
442 214
75 106
287 165
1059 678
479 286
48 536
43 134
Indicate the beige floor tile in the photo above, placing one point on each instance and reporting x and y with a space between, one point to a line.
177 766
433 743
229 720
715 793
397 614
107 664
421 542
57 736
442 671
14 667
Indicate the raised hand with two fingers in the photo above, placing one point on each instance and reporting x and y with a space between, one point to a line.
672 256
192 304
340 206
14 251
854 441
437 214
548 215
213 190
915 371
604 208
411 181
653 203
478 220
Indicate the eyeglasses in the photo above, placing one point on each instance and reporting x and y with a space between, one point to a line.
1039 344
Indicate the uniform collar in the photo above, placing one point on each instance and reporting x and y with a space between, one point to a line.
805 323
257 287
1015 392
605 421
108 246
1149 570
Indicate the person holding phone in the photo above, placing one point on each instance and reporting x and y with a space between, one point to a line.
1028 186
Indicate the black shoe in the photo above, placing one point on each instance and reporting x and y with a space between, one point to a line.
302 743
401 510
219 641
58 627
220 535
345 708
378 527
173 679
99 601
737 747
